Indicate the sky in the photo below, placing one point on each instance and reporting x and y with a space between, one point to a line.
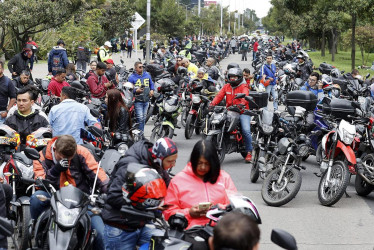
260 6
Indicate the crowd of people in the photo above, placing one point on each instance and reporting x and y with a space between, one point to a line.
64 159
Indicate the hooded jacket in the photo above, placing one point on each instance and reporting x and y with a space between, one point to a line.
18 63
186 190
140 153
25 125
81 172
96 85
58 58
230 93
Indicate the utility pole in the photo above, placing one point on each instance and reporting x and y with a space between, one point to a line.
221 18
148 35
199 8
229 22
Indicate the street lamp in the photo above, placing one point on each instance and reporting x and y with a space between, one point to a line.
187 6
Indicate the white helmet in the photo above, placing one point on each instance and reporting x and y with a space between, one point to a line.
107 43
128 85
261 88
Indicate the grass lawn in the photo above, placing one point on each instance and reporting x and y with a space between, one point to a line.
342 61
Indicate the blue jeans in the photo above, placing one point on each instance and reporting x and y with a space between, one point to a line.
118 239
272 89
141 109
254 55
245 122
37 207
2 120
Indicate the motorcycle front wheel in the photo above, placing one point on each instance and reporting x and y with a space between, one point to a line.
255 171
190 126
330 192
221 149
21 234
149 113
278 194
184 116
157 133
362 187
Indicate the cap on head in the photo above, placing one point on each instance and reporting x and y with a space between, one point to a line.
163 148
107 43
109 61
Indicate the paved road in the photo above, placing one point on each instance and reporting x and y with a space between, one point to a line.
347 225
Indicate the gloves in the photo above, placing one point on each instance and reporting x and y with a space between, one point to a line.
61 166
211 108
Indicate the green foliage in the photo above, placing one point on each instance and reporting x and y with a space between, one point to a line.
171 13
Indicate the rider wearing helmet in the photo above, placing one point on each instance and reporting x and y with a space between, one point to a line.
160 156
236 84
303 69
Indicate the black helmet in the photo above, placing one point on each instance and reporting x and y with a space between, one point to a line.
196 86
76 84
232 65
235 72
182 71
166 85
299 56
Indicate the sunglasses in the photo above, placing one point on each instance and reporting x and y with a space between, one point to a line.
140 67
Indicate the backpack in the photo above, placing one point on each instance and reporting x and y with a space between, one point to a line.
129 42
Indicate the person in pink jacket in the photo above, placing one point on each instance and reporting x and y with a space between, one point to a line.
201 181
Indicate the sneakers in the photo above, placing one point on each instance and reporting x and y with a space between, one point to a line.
248 158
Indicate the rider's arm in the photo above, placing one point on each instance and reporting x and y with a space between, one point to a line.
96 89
115 195
172 199
219 97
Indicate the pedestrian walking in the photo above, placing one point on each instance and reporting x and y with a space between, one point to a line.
82 57
130 45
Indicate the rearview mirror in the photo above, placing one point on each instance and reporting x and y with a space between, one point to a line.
32 153
240 95
283 239
95 113
97 132
367 76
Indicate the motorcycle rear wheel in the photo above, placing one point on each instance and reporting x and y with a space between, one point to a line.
277 195
362 187
149 113
184 116
157 134
190 126
331 194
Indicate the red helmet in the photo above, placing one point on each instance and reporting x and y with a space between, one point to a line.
145 188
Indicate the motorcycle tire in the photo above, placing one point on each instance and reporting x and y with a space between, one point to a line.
362 187
328 196
21 234
157 134
184 116
272 192
168 132
255 171
221 151
190 126
305 157
149 113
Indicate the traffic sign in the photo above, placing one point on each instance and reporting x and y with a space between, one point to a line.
138 21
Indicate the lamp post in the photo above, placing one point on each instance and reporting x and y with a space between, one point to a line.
148 35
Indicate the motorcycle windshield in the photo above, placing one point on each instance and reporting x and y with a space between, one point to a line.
71 197
267 117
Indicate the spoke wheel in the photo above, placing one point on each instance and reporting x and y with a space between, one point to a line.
362 187
190 126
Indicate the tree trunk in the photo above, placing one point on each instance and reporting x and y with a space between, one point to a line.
333 49
362 56
323 52
353 42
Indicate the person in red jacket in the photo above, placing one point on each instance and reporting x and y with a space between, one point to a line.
236 85
57 83
201 181
98 83
255 49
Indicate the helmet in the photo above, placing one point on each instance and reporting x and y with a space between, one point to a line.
182 71
144 187
39 138
232 65
196 86
9 137
300 57
166 85
128 86
76 84
235 72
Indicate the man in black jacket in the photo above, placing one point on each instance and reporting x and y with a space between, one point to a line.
82 57
26 120
23 80
20 62
161 156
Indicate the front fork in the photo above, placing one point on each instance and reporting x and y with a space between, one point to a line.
283 170
331 160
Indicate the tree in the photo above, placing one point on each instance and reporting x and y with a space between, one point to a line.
171 19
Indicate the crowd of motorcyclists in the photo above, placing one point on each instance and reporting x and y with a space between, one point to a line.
96 121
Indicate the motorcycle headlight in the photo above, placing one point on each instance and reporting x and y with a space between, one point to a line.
303 150
122 148
65 216
196 99
27 171
267 128
217 118
347 137
170 108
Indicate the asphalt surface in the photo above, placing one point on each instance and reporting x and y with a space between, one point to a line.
346 225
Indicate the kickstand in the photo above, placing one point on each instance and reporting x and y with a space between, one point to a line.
346 194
